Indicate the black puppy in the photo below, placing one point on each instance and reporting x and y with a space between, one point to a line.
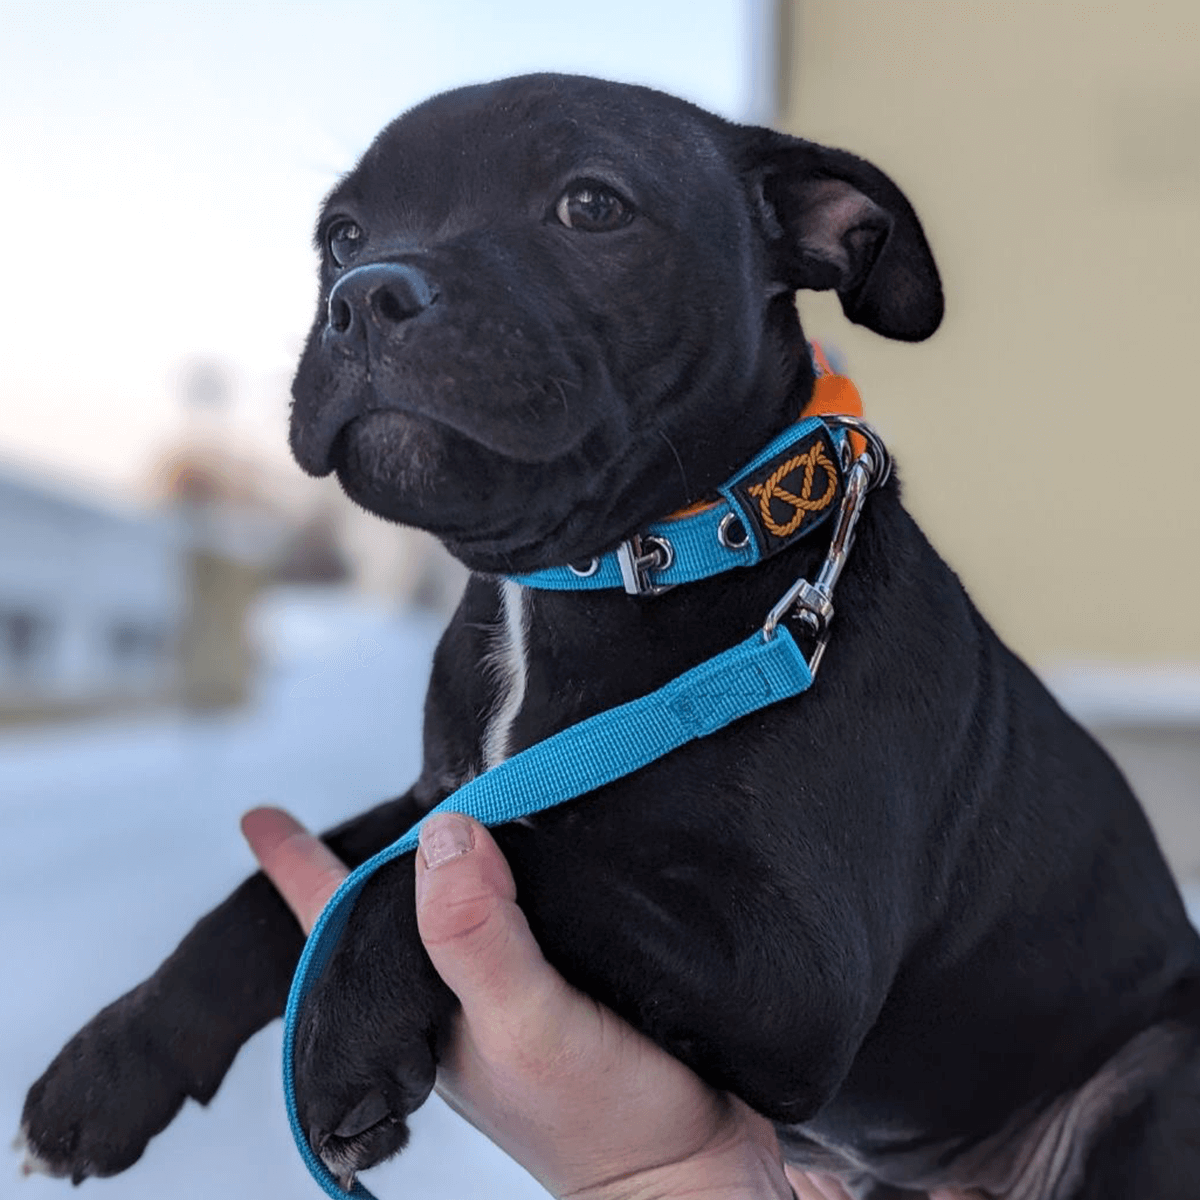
914 916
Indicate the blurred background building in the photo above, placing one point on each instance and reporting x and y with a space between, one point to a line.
92 601
235 632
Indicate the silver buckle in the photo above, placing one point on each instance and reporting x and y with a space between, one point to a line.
640 555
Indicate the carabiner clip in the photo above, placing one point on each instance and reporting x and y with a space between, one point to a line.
812 603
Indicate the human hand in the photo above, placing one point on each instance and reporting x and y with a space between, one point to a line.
590 1107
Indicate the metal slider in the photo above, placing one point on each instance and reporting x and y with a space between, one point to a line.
638 557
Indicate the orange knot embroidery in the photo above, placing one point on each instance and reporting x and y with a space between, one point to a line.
815 458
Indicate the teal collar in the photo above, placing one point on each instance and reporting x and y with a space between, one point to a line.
785 492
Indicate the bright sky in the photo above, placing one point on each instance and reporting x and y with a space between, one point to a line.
163 164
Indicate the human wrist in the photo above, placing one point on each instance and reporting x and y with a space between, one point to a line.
741 1172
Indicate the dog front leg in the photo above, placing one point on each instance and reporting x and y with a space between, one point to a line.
124 1075
371 1030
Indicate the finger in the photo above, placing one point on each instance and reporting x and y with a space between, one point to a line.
303 869
475 935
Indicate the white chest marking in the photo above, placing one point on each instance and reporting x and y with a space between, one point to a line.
507 666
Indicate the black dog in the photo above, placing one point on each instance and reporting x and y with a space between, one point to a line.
915 916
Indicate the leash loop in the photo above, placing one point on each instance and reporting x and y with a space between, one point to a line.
579 759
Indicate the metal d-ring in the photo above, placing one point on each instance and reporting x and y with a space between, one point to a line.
585 572
662 548
880 458
725 533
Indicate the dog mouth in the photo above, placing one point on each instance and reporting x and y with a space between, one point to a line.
415 471
488 510
388 450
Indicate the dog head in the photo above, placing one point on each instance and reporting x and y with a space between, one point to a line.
553 309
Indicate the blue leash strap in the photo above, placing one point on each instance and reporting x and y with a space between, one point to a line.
579 759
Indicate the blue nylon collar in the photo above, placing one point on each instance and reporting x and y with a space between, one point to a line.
700 542
758 672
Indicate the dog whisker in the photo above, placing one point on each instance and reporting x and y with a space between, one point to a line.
562 394
662 433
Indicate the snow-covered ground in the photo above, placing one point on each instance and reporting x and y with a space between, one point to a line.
118 836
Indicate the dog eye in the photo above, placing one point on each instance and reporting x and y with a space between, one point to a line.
344 239
592 208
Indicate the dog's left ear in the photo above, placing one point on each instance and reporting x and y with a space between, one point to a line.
835 221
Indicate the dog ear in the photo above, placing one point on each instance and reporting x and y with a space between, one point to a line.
835 221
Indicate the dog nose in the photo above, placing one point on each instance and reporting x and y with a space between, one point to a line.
385 294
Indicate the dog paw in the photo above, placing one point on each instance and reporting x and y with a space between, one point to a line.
349 1136
365 1048
31 1162
352 1098
111 1088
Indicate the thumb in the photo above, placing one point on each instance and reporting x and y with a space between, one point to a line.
475 935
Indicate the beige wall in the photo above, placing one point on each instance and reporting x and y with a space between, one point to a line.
1049 434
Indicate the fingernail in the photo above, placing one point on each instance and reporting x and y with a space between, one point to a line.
444 837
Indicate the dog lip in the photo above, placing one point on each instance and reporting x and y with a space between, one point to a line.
313 442
317 467
528 451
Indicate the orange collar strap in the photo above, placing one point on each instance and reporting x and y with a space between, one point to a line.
832 395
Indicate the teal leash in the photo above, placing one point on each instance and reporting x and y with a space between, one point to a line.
766 668
571 763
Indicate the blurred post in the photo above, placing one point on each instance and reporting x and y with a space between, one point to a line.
216 663
225 570
769 61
